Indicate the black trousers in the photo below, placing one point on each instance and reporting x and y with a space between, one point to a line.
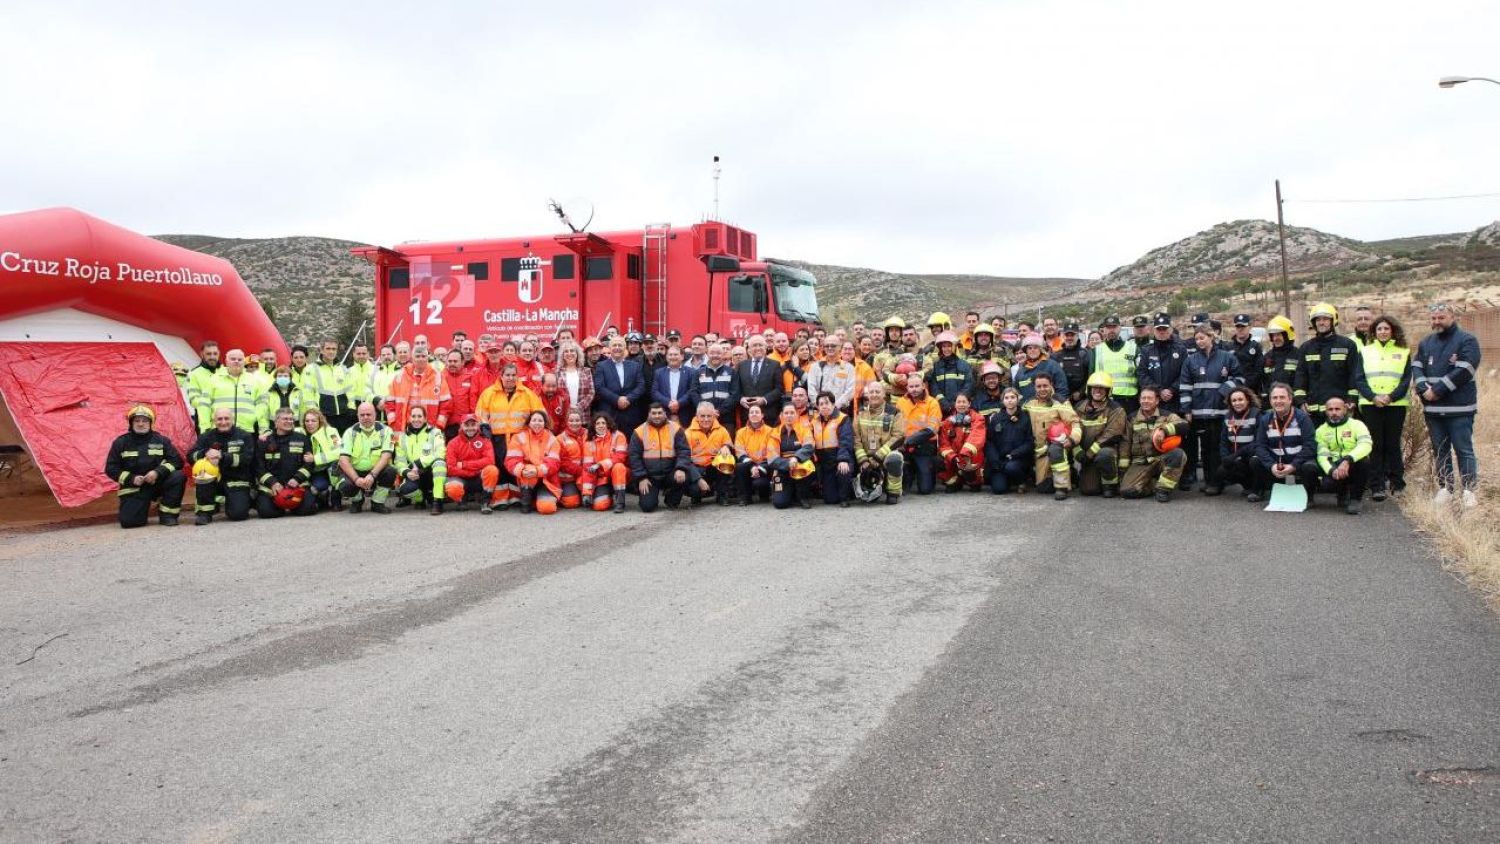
237 495
718 483
836 487
921 470
659 490
1312 477
785 491
1238 469
135 501
1386 424
1203 449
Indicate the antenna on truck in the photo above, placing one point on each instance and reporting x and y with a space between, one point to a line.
574 203
716 187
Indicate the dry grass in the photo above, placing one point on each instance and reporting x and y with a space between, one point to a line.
1467 540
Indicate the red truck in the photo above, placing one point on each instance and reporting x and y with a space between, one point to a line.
705 277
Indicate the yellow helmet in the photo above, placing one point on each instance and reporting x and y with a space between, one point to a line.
724 462
1284 325
1101 379
1323 309
801 469
140 410
894 322
204 470
939 318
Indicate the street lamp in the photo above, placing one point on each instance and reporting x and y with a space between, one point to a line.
1450 81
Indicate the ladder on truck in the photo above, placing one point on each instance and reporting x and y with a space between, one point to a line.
654 271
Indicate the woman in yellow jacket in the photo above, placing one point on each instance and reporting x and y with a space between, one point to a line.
326 447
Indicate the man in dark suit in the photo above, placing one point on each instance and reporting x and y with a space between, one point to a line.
760 379
675 387
620 387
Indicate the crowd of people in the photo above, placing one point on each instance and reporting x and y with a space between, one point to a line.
862 414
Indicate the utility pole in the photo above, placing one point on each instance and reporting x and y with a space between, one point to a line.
1286 291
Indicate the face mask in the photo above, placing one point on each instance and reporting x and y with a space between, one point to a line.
283 381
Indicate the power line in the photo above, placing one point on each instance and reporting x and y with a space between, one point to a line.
1399 199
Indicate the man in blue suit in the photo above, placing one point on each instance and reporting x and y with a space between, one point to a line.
676 387
620 387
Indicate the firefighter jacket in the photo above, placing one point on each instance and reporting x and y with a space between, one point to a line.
1023 376
834 434
719 386
1385 370
1140 444
330 383
134 454
1074 362
656 452
1238 436
540 451
756 445
1280 367
947 378
242 396
1043 415
359 383
282 458
236 453
1251 359
704 445
1103 426
501 414
199 393
363 446
922 420
1285 439
884 362
1330 366
1348 440
978 357
1445 363
422 449
961 436
428 390
467 457
1206 379
1159 364
986 403
1117 358
326 446
878 430
838 378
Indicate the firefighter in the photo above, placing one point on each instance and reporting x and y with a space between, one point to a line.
1102 421
1009 454
1159 364
1207 376
793 468
1055 430
923 415
1384 385
660 460
330 380
1283 442
938 323
709 443
1282 360
1248 354
983 350
961 447
1343 462
534 459
993 382
364 467
890 353
148 468
230 451
1330 365
1073 358
1237 441
502 410
949 375
421 462
1115 356
1152 461
232 389
284 462
879 432
1034 361
472 471
200 396
833 443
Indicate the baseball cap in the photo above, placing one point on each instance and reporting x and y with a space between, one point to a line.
1161 320
468 417
1140 322
1110 321
1199 319
1070 328
1241 319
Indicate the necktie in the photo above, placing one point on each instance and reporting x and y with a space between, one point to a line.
755 371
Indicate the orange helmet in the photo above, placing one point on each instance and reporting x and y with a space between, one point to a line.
1168 443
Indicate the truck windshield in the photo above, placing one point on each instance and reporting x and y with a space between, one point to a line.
796 293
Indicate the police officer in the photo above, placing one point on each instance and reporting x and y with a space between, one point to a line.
1247 353
148 468
1115 357
1073 357
232 450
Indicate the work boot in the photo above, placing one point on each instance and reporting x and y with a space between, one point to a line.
1343 499
1377 495
892 497
587 503
400 502
1044 487
1253 497
484 507
1352 508
722 499
167 520
357 505
804 503
620 503
1213 490
844 503
1110 492
528 499
1060 495
745 502
1163 496
203 519
437 508
379 508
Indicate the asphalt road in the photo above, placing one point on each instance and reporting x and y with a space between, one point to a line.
961 668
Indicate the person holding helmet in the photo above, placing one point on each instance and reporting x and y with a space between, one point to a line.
983 348
364 468
792 469
660 461
994 379
283 470
1208 375
1008 445
422 461
1237 440
756 444
879 432
148 468
1282 359
949 374
470 460
889 353
1103 424
1055 430
833 447
1152 457
1159 364
708 444
1034 361
1115 357
534 458
923 414
961 447
937 324
1343 463
1331 364
1073 358
230 451
1384 384
1283 442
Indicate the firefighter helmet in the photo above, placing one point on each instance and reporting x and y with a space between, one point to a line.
939 318
289 498
868 484
1059 431
894 322
1168 443
724 462
984 328
1323 309
990 368
1101 379
801 469
204 471
1283 325
1033 339
946 337
634 337
140 410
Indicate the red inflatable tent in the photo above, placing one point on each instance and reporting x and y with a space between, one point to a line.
90 316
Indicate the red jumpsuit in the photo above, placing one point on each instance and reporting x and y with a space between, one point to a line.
471 462
961 448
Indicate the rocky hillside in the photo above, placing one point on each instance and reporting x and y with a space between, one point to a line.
849 293
1240 248
306 284
1486 236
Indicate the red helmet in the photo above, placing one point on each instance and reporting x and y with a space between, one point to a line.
1059 431
290 498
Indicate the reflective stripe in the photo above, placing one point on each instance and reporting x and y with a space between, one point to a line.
1464 364
1210 412
1448 410
1207 385
1120 366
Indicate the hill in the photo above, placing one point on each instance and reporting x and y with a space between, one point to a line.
849 293
1239 248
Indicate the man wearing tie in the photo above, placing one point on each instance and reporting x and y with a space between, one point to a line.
760 379
620 388
675 388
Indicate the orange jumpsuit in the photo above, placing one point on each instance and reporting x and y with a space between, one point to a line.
603 468
536 453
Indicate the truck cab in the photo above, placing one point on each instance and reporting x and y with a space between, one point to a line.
763 294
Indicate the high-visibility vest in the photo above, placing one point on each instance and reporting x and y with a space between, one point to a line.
826 432
658 443
1384 363
706 444
1120 366
242 396
363 447
757 446
360 383
506 414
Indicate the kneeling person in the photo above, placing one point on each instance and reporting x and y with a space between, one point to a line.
1153 457
660 460
284 470
1343 464
148 468
1054 432
422 461
230 451
365 462
472 473
1103 423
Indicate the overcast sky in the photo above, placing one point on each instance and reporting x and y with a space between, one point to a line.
1014 138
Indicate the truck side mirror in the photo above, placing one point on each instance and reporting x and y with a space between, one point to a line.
722 263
